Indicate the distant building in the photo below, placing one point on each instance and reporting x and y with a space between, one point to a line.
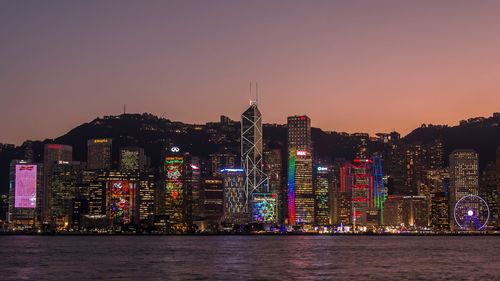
99 154
25 206
464 177
213 202
408 211
440 214
221 160
251 152
323 185
300 171
234 196
488 191
132 158
53 154
273 170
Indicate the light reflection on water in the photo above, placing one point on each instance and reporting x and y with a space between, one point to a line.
249 257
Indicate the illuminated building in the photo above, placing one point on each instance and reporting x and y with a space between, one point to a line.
174 189
131 158
439 215
361 180
24 193
300 175
52 154
213 201
235 198
414 163
221 160
193 205
498 184
409 211
251 152
272 168
79 208
464 176
323 184
99 154
379 189
264 208
488 191
65 186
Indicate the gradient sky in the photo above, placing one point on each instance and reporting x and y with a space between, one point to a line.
354 66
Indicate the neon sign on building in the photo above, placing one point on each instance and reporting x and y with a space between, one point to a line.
121 201
174 169
25 189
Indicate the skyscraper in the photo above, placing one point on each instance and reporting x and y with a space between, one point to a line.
272 168
99 154
464 176
323 185
53 154
251 152
235 210
300 181
24 195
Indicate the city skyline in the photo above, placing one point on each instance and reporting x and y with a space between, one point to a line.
418 62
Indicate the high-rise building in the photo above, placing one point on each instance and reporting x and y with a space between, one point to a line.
488 191
273 169
439 215
323 185
66 179
52 155
234 196
464 177
264 208
99 154
132 158
213 202
24 195
300 171
251 152
193 204
174 173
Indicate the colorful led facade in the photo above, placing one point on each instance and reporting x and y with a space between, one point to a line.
25 188
291 186
121 201
362 188
235 200
174 169
264 208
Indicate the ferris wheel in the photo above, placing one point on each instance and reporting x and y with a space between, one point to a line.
471 213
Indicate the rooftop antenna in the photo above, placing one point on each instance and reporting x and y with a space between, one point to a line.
256 93
250 96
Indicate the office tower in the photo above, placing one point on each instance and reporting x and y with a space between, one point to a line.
174 173
251 152
273 168
414 163
221 160
52 155
99 154
323 184
132 158
192 189
235 199
488 191
439 215
379 188
435 155
213 202
464 177
65 186
25 191
300 181
97 193
147 192
361 185
80 207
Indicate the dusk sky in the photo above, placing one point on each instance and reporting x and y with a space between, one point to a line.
353 66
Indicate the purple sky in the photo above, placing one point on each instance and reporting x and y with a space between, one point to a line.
370 66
